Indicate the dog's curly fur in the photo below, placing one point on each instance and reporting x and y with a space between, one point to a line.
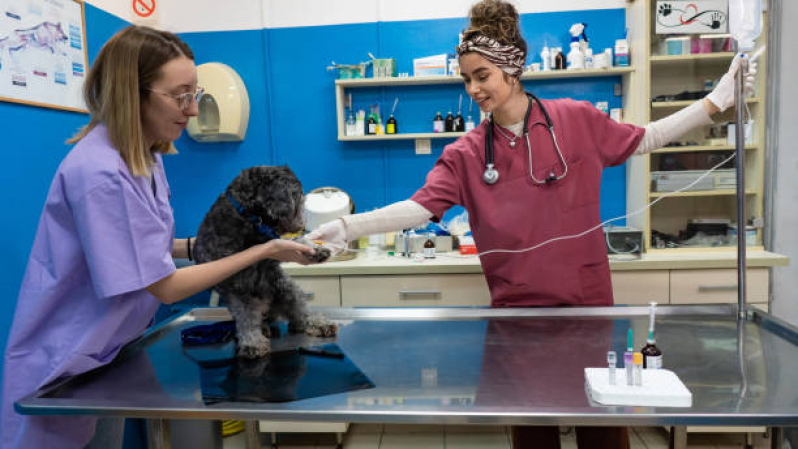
262 290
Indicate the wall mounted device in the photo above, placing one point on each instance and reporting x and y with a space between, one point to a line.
223 109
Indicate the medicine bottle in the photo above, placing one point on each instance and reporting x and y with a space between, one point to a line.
449 123
437 123
390 127
429 246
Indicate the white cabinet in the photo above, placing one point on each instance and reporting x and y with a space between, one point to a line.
439 290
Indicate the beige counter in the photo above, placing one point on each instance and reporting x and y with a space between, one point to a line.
450 263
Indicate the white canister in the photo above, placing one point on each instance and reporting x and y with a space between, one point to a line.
731 133
325 204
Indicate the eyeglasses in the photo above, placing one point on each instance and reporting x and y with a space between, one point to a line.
184 100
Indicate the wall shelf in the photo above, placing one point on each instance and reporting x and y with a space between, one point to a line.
685 103
691 58
719 192
401 136
342 84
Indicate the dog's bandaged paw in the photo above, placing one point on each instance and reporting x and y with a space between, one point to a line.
319 326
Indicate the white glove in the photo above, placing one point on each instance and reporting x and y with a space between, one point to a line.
332 234
723 94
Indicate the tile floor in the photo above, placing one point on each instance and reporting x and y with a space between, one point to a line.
389 436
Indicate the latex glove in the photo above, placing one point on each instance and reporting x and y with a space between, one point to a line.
722 96
332 234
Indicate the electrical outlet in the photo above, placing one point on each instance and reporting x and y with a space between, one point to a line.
423 146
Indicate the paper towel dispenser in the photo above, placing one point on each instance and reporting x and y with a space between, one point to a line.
223 109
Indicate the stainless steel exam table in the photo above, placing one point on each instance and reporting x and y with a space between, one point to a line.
475 366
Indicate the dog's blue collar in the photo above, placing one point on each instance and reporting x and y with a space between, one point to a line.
255 219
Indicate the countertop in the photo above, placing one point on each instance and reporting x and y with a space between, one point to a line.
454 263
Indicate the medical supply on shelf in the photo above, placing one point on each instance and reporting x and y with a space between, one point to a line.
545 58
390 126
448 123
621 53
371 125
612 361
576 60
383 67
589 58
360 123
617 114
437 123
608 55
351 125
663 388
469 124
638 369
652 356
430 65
559 60
349 71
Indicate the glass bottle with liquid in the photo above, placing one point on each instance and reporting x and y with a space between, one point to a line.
390 126
437 123
560 61
652 356
429 246
448 124
371 125
459 124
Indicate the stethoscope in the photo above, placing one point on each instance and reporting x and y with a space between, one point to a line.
491 175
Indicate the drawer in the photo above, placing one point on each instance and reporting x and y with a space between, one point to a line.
415 290
717 286
320 291
641 287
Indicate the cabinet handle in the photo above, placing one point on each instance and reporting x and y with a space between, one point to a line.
716 288
409 294
309 296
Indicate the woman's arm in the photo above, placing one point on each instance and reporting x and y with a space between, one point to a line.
180 248
188 281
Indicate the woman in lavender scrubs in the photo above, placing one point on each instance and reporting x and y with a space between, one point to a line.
101 262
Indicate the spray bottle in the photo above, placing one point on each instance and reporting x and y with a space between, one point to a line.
576 59
652 356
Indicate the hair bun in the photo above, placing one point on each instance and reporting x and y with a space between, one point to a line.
498 20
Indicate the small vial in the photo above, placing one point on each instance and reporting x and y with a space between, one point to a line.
429 246
638 369
612 360
628 363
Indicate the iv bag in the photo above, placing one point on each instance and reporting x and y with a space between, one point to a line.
745 22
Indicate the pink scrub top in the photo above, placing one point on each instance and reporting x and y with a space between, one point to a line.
516 213
103 236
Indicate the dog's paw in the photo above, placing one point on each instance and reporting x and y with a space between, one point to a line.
318 326
253 347
320 255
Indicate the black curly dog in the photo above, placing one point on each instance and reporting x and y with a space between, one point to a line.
259 205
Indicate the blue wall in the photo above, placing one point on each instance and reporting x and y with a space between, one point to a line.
292 119
33 146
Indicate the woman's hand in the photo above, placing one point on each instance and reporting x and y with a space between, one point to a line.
722 96
288 251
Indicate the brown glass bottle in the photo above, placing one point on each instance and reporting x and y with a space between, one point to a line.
429 246
651 354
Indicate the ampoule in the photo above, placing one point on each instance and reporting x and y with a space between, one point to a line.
638 363
612 361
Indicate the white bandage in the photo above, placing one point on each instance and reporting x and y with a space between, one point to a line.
666 130
397 216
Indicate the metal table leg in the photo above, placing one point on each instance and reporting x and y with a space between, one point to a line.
678 438
252 434
158 436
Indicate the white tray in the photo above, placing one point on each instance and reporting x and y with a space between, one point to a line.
661 388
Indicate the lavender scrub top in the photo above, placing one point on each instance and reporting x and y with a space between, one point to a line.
104 235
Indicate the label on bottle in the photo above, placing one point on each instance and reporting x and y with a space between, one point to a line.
429 253
437 126
372 128
653 362
391 128
469 126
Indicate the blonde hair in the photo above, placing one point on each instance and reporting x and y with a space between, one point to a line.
119 80
497 20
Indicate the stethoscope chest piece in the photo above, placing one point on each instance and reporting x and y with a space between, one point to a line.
491 175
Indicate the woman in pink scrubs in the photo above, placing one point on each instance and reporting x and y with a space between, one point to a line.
101 261
547 186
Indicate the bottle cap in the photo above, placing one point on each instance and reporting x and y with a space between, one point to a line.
638 358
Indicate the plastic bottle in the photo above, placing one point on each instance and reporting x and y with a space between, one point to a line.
448 124
351 125
390 127
469 124
745 22
545 58
360 123
429 246
589 58
576 60
437 123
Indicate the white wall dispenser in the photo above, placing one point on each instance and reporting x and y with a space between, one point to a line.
223 109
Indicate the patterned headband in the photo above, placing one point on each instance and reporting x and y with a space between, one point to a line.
509 58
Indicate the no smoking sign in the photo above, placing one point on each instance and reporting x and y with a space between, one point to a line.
143 8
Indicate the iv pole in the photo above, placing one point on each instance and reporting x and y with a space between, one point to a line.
739 135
